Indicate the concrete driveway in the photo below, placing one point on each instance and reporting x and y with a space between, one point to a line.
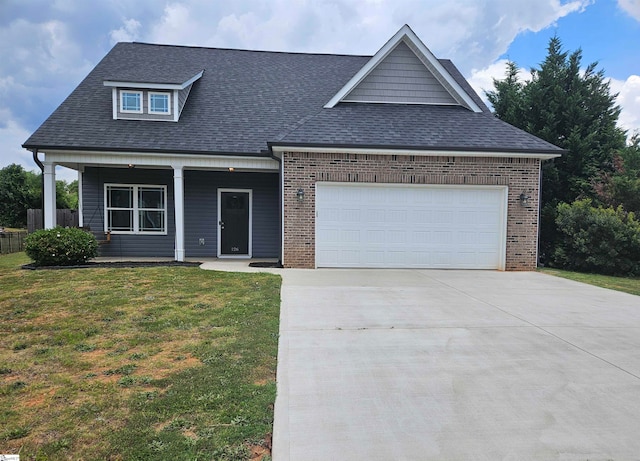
455 365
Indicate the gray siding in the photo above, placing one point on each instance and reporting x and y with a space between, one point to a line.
401 78
182 98
145 115
201 211
123 245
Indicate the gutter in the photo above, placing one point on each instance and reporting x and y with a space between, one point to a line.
281 199
41 166
543 154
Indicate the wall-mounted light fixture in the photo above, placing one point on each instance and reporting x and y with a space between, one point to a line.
524 199
300 195
131 165
231 169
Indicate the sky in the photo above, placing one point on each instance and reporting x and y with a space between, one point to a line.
48 46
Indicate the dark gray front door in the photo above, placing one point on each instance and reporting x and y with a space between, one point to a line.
234 223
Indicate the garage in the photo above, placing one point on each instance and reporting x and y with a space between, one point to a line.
410 226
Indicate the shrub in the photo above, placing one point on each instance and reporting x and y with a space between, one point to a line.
602 240
61 247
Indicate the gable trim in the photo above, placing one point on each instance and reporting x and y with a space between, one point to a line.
424 54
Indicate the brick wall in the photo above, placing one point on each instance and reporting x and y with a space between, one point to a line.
303 170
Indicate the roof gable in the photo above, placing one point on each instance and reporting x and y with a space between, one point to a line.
404 71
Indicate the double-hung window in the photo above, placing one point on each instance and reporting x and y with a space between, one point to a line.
159 103
131 101
135 209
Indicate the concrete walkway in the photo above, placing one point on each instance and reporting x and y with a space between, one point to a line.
455 365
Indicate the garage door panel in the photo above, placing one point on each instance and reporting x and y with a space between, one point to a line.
409 226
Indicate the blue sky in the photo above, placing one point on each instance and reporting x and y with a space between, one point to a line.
48 46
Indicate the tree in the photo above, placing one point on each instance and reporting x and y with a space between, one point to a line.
621 187
21 190
15 198
571 108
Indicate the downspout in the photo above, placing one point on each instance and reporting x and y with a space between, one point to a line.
41 166
280 203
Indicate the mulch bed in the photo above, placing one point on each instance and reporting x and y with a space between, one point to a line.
266 264
114 265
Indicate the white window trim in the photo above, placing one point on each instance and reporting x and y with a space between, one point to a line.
122 92
156 93
136 209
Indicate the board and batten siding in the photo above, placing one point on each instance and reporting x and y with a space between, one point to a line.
201 211
124 245
401 78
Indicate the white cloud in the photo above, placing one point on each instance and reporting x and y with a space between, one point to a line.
473 34
632 7
44 58
629 100
482 80
628 91
13 135
40 52
129 32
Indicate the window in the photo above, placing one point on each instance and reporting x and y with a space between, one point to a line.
135 209
131 101
159 103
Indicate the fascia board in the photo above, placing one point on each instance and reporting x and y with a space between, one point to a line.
280 149
153 86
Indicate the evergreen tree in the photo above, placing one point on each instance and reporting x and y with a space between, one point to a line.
621 187
571 108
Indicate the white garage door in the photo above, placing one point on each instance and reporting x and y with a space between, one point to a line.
407 226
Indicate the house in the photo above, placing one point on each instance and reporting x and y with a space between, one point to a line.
319 160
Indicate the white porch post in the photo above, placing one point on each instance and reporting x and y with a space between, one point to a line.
49 204
80 212
178 199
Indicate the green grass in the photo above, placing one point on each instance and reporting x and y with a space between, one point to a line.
145 363
627 284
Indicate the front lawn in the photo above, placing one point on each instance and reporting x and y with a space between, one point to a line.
626 284
140 363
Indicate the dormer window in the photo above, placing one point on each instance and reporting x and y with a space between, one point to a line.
159 103
131 102
160 100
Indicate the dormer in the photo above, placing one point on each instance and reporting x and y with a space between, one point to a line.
160 98
404 71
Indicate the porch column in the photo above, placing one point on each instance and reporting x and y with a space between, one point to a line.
80 212
178 199
49 204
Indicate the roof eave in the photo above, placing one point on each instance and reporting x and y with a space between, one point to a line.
153 86
542 154
125 150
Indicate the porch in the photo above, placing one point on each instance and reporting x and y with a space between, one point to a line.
186 219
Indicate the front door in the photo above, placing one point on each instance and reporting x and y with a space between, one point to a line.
234 223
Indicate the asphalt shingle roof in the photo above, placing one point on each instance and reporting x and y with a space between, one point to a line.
246 99
428 127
